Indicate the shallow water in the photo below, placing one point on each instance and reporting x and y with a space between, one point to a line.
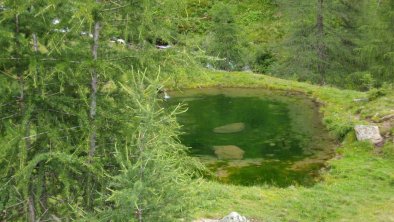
254 136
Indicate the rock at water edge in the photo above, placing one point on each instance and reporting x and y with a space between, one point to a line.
230 128
371 133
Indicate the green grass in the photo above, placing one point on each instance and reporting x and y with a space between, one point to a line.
358 185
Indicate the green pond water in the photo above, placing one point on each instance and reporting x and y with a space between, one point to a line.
254 136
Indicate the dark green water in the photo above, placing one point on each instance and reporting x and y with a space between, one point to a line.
272 138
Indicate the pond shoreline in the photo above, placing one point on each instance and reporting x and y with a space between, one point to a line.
294 101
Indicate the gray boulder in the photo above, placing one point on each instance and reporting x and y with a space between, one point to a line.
370 133
234 217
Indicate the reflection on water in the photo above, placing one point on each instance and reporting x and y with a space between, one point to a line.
254 136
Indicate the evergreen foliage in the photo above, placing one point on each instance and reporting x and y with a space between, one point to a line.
375 48
224 40
65 114
155 179
352 54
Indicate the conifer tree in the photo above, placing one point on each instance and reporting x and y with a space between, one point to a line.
224 34
321 40
155 180
63 109
375 48
299 52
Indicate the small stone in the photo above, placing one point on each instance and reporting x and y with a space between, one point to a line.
370 133
234 217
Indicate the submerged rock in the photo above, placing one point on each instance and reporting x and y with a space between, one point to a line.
230 128
229 152
222 173
306 164
370 133
234 217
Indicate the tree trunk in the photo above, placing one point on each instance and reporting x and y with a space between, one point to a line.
93 95
41 168
142 174
30 208
93 110
35 43
320 45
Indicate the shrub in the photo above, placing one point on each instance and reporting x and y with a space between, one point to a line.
362 81
379 92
